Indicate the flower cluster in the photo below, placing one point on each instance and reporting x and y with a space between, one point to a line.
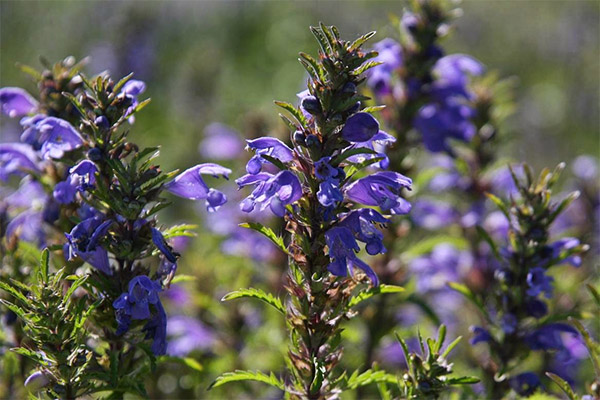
516 305
425 89
80 175
315 190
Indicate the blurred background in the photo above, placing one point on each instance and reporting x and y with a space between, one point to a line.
225 61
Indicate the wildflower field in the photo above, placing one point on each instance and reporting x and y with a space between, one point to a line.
300 200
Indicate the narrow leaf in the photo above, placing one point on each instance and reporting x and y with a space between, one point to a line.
238 375
257 294
268 233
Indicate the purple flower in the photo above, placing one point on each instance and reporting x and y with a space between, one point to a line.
64 192
17 159
56 136
360 127
361 223
270 147
585 168
548 337
479 335
444 264
30 134
16 102
131 90
539 282
438 122
36 381
188 334
381 189
525 384
509 323
563 245
220 143
190 185
82 177
274 191
27 226
377 143
342 252
379 78
452 74
135 305
329 193
162 245
433 214
83 240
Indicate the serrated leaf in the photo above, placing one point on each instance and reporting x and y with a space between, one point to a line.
297 114
367 294
257 294
360 41
14 292
239 375
368 377
268 233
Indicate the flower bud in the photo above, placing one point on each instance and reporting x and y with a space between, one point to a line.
36 381
312 140
102 122
300 138
349 88
94 154
312 105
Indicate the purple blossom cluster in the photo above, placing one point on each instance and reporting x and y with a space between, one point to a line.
85 165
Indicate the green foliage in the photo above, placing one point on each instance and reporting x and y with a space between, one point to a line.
268 233
428 374
238 375
367 294
257 294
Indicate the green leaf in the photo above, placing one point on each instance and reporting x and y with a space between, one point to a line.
183 278
426 246
123 81
485 236
360 41
292 110
465 291
594 292
463 380
30 354
564 385
274 161
257 294
44 265
75 102
187 361
499 203
239 375
369 376
268 233
451 347
14 292
381 289
440 339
